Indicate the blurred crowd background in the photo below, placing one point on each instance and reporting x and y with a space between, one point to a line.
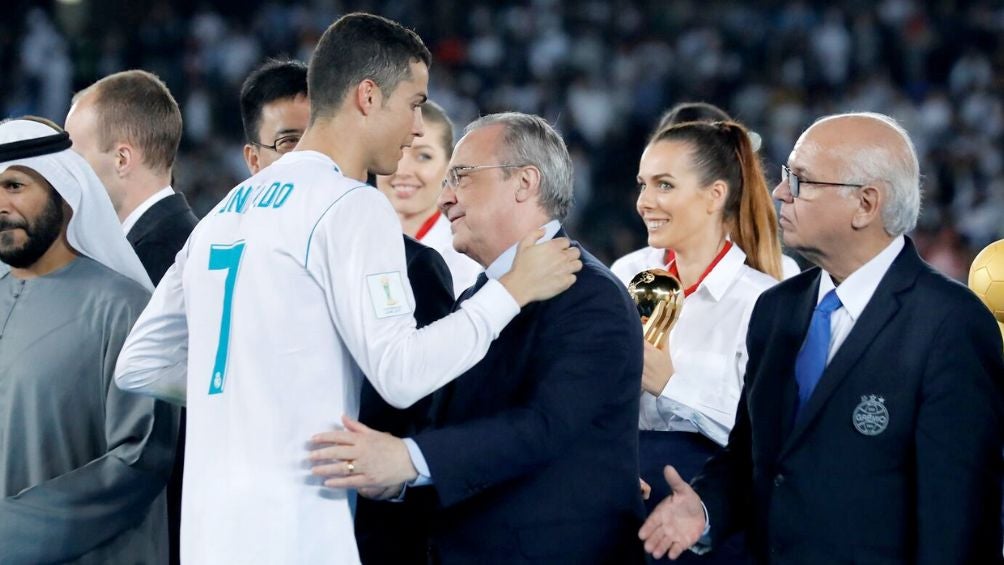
602 71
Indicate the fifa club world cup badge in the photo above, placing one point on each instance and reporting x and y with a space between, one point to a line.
871 417
388 295
385 283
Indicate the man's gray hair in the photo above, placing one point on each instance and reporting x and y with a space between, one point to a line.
898 169
530 140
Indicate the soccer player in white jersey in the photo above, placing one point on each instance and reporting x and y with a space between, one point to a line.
291 290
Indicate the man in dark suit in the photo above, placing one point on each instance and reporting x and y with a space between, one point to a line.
128 127
532 455
869 428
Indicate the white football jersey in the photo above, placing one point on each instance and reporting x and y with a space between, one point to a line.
286 294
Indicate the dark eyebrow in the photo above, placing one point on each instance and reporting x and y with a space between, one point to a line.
288 131
663 175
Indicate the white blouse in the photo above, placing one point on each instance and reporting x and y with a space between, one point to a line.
708 348
649 258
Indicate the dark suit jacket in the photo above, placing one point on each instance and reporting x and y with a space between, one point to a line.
391 532
926 489
160 233
534 452
157 237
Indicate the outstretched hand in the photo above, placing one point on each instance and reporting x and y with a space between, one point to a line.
677 522
541 270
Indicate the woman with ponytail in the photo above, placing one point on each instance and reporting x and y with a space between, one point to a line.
703 195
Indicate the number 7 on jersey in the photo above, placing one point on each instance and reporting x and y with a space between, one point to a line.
228 258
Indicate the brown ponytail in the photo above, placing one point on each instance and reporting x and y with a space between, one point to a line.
722 151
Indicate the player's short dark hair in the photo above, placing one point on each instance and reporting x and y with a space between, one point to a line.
358 47
276 79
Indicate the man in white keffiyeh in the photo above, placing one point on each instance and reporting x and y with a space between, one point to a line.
82 464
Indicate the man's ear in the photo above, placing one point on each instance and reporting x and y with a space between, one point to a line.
869 207
251 158
126 158
368 96
528 183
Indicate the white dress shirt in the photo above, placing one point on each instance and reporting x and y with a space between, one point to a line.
637 261
708 349
652 258
463 269
136 214
286 294
855 293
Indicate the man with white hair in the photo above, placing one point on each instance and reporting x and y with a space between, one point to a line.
869 428
82 464
532 455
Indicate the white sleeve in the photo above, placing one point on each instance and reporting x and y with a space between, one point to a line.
356 254
154 359
706 386
625 269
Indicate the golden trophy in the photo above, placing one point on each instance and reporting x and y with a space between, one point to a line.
659 298
986 279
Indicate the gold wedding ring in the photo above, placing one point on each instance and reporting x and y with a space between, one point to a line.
350 466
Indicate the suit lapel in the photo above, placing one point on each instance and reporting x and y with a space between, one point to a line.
148 222
874 319
441 398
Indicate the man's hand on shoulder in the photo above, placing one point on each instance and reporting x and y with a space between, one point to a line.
541 270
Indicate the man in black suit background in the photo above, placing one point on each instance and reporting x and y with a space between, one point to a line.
128 127
532 455
869 429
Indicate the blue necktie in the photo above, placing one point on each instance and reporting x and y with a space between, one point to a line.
811 359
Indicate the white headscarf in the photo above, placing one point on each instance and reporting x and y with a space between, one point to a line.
94 229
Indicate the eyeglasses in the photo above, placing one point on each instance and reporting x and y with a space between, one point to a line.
282 145
795 183
456 174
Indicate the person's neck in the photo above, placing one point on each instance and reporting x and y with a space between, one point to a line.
411 223
693 259
510 237
328 136
850 256
140 187
59 255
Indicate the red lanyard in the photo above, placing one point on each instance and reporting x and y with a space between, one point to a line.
676 273
668 257
422 231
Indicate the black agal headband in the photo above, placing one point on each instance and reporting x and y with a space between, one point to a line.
34 147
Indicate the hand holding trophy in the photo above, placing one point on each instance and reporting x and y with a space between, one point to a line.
659 298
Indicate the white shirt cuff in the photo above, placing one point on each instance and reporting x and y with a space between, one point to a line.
703 544
421 466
